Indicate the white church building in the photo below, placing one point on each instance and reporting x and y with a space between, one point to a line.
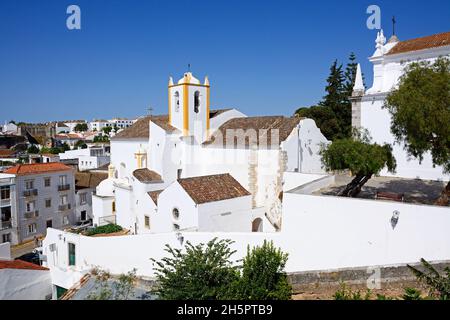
389 62
162 165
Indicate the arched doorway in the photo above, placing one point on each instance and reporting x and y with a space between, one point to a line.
257 225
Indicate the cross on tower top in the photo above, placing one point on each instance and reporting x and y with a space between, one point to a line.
393 25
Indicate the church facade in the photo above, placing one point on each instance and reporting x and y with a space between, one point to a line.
389 62
162 160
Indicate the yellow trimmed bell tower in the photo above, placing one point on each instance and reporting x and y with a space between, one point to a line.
189 106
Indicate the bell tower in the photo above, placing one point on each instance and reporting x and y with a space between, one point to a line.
189 106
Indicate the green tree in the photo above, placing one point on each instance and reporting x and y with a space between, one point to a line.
439 285
80 127
333 114
108 288
263 276
80 144
200 272
420 111
360 156
33 149
107 130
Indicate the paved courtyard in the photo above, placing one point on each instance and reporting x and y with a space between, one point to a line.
414 190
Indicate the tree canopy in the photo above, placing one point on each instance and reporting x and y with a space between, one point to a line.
206 272
360 156
79 127
333 114
201 272
420 111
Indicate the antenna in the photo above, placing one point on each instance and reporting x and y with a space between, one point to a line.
150 110
189 67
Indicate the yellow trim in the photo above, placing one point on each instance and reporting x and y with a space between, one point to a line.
191 84
207 111
170 108
186 109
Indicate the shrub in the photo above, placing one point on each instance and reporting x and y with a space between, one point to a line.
109 228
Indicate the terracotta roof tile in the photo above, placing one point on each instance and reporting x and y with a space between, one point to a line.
212 188
37 168
7 153
20 264
264 128
433 41
154 195
140 129
147 176
89 179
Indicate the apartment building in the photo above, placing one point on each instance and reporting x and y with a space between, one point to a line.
36 197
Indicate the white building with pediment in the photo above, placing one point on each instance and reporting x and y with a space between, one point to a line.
389 61
149 160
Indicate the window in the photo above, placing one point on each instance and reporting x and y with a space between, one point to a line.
196 101
83 198
49 223
47 182
48 203
30 206
83 215
113 206
63 199
32 228
62 180
71 247
29 184
6 237
175 213
147 222
177 101
65 220
5 192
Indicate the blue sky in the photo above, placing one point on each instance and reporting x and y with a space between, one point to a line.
262 57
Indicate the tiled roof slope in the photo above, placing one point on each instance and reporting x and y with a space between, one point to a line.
263 130
37 168
212 188
140 129
20 264
146 176
433 41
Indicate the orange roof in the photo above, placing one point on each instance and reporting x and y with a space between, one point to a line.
433 41
6 153
37 168
20 264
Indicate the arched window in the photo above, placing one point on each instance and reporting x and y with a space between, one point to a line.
175 213
177 101
257 225
196 101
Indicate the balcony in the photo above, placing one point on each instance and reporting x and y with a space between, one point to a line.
31 214
5 202
63 187
64 207
30 192
5 225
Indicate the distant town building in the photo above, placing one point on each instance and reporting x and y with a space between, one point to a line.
35 197
89 158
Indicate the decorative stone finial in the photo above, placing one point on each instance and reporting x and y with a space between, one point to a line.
206 83
170 81
358 88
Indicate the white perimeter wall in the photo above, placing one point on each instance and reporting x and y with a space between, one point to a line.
318 232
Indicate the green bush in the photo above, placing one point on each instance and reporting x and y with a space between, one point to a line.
109 228
263 276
